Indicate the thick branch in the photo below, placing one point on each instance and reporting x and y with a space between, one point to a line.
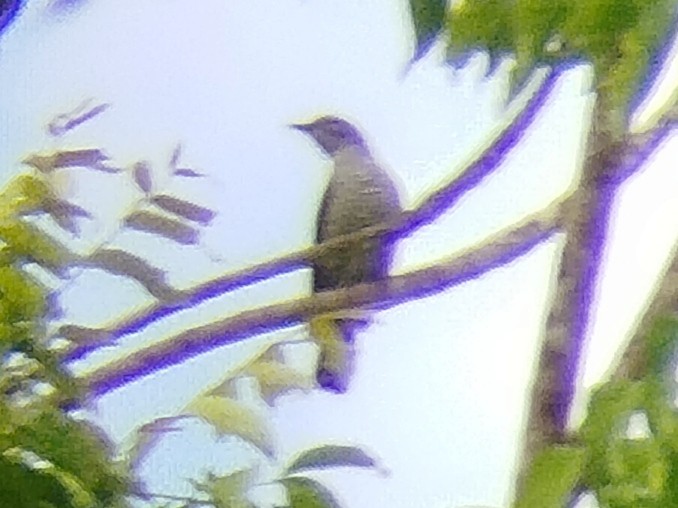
585 222
430 208
609 161
495 251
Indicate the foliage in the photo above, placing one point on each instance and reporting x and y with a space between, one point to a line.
623 466
47 458
619 38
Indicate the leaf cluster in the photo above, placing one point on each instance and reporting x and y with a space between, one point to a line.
621 465
620 38
47 459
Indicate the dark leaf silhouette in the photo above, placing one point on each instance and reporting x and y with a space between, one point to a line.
327 456
176 155
68 121
157 224
120 262
185 209
86 157
83 334
65 213
143 176
189 172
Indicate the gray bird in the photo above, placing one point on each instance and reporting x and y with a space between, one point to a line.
359 194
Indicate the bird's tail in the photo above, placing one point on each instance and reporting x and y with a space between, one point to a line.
336 340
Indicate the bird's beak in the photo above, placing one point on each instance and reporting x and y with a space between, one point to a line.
303 127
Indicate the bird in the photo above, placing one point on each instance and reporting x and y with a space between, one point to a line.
360 194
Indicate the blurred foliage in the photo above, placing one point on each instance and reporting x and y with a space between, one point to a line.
626 450
429 18
553 476
47 459
620 38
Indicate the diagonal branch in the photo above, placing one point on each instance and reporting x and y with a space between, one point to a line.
585 221
430 208
607 164
634 362
470 263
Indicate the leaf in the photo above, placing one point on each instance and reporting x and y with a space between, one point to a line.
188 172
23 194
231 417
65 213
176 155
21 298
228 491
31 486
68 121
328 456
483 25
26 240
143 176
307 493
83 334
154 223
276 378
536 23
85 157
185 209
428 17
76 448
148 435
120 262
552 477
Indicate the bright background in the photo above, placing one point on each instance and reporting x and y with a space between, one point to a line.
440 385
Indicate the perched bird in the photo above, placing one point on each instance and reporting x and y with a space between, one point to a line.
359 194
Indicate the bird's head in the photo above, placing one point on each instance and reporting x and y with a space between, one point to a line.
332 133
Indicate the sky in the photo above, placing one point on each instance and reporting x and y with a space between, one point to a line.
439 390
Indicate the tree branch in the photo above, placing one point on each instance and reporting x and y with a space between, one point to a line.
585 221
607 164
88 339
470 263
633 363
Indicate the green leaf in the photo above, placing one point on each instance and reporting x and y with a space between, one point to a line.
327 456
21 298
75 448
23 487
620 38
637 471
228 491
308 493
428 17
23 194
661 341
535 24
276 378
232 417
552 477
484 25
26 240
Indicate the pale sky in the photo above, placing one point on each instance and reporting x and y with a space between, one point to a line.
440 384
